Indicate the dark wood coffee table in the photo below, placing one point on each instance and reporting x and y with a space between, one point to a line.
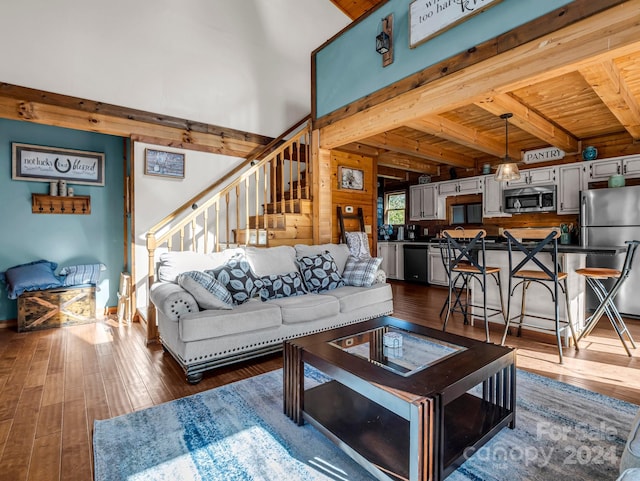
415 411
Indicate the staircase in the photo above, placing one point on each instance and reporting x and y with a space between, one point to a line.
290 225
285 221
265 202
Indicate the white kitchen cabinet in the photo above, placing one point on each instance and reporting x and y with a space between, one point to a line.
629 166
492 197
571 180
470 185
424 202
400 261
603 169
392 254
437 273
415 202
540 176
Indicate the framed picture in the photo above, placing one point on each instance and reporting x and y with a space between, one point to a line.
166 164
349 178
41 164
428 19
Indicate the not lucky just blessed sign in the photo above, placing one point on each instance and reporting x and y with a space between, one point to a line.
428 18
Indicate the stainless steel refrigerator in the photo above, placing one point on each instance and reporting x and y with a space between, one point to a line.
609 217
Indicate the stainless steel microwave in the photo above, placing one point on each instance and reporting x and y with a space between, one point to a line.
530 199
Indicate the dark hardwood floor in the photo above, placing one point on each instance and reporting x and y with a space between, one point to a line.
55 383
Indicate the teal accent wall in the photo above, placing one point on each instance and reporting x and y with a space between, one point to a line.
349 68
65 239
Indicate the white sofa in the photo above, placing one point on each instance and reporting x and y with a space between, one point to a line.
200 340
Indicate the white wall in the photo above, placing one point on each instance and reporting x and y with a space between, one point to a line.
242 64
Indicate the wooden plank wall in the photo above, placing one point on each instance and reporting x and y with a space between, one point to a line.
365 198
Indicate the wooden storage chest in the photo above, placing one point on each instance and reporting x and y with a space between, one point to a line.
62 306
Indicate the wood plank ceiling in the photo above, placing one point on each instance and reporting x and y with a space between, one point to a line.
565 108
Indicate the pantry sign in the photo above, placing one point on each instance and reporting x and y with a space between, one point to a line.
428 18
41 164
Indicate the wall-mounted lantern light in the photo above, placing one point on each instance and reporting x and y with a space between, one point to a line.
384 41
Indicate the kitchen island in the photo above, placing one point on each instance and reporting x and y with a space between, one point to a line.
539 303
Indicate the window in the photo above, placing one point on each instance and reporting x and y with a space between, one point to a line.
466 214
396 204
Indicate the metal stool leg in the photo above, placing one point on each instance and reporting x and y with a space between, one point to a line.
496 276
607 307
523 303
569 319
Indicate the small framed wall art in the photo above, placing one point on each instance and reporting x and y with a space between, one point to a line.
349 178
165 164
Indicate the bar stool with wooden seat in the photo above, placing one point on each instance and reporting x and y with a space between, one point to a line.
551 278
595 277
466 263
458 306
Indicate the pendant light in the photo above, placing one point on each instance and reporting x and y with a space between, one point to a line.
507 169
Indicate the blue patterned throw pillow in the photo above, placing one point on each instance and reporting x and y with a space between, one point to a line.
320 273
81 274
275 286
206 290
361 272
238 278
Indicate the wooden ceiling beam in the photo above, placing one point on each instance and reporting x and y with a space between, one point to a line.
460 134
407 162
359 149
71 118
403 145
605 35
26 94
530 121
391 173
608 83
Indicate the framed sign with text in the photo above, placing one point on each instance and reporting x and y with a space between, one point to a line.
41 164
428 18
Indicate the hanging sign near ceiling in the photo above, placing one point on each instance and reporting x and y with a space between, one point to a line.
428 18
548 154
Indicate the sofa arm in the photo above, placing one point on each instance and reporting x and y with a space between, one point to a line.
381 277
172 300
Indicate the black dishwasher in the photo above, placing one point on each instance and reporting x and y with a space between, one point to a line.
415 263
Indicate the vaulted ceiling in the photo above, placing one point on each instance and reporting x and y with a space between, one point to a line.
564 107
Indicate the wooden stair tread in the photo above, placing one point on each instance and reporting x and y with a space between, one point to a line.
296 206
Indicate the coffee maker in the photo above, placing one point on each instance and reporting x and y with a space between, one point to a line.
411 231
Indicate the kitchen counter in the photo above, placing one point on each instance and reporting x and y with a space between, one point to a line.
406 241
562 248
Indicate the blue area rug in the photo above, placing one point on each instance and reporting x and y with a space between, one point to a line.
238 432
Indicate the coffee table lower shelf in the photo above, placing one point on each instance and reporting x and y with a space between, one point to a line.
378 438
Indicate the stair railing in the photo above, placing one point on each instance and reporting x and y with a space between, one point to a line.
273 182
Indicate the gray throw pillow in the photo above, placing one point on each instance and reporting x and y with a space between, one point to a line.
320 273
361 272
238 278
358 243
275 286
206 290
